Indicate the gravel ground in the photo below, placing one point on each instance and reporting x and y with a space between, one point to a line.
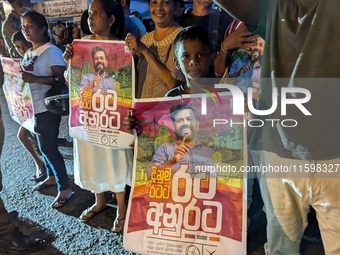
63 232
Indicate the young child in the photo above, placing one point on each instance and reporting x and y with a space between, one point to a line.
193 56
20 43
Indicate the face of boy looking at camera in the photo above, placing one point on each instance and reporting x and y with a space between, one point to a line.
194 58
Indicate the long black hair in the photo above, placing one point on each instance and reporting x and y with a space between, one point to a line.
39 20
115 9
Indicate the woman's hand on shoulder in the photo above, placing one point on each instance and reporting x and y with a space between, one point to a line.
135 45
68 54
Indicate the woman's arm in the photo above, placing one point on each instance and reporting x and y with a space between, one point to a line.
56 77
162 72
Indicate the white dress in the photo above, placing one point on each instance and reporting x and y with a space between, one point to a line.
101 169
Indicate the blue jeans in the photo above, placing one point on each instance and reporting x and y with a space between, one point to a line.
46 126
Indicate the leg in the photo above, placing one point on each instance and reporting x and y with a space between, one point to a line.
47 128
286 205
325 201
26 142
119 222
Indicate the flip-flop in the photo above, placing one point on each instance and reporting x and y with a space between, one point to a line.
88 214
37 179
42 185
115 227
61 201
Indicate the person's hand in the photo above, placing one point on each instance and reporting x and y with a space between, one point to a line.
130 123
97 79
28 77
238 38
68 54
181 150
135 45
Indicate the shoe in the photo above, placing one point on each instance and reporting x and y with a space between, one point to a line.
88 214
13 214
42 185
60 201
17 241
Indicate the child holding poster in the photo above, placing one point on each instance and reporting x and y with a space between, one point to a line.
173 151
96 168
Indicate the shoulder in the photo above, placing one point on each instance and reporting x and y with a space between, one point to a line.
86 37
52 49
53 52
148 39
225 17
208 149
165 146
88 75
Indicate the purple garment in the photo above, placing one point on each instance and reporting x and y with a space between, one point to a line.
198 155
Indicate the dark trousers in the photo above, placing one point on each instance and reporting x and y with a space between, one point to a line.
46 126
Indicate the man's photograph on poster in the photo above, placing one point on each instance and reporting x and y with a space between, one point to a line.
101 90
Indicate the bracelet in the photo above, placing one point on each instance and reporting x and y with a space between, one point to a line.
225 51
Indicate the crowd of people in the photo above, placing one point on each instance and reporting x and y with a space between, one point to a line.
258 44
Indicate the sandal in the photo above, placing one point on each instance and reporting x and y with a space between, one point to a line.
88 214
42 185
41 177
115 228
61 201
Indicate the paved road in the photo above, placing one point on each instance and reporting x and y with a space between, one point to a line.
61 228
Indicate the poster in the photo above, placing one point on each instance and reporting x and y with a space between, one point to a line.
101 87
17 93
194 204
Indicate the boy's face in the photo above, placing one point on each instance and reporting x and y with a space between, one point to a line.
21 47
193 58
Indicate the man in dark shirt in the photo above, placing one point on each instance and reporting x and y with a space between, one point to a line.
203 15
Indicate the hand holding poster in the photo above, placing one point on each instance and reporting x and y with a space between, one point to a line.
17 93
188 195
101 88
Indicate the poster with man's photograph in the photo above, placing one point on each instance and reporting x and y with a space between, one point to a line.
101 89
188 193
17 93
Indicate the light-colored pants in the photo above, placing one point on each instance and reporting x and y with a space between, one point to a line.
287 198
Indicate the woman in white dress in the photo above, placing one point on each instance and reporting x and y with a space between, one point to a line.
99 169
